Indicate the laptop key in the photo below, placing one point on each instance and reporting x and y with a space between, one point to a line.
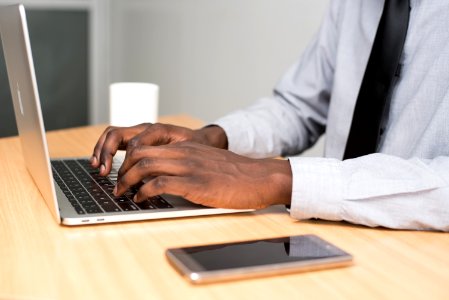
145 205
78 209
111 207
92 193
94 210
160 202
128 206
121 199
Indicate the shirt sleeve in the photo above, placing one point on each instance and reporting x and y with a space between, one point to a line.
373 190
295 116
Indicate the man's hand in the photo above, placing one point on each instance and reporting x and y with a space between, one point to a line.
121 138
205 175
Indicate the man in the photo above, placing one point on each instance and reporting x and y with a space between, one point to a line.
403 182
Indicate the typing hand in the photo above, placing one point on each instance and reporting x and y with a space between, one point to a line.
205 175
122 138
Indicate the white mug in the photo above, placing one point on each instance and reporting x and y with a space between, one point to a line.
132 103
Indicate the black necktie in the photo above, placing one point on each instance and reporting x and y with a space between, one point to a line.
379 75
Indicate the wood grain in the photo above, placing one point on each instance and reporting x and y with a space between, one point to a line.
42 260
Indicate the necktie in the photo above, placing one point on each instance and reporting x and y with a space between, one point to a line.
379 75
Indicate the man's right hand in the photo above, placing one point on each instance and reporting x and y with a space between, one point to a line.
126 138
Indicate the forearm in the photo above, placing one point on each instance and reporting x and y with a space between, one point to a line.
375 190
268 128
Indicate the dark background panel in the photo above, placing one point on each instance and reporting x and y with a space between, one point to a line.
59 42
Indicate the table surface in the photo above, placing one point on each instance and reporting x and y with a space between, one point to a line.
40 259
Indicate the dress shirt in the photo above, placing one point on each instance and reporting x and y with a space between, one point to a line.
404 185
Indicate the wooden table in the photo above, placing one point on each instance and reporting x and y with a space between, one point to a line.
42 260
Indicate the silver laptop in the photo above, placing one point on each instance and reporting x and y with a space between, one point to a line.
72 190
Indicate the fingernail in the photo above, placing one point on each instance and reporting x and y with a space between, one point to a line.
115 191
102 168
93 160
135 198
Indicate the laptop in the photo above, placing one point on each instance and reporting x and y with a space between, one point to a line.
74 191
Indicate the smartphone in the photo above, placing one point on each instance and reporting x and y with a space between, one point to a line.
209 263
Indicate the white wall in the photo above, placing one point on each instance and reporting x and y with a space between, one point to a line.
209 56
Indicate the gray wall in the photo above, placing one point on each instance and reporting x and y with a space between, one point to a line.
59 46
208 56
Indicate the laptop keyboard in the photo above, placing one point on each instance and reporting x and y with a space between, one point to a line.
90 193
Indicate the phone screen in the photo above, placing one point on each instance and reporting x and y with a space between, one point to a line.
286 251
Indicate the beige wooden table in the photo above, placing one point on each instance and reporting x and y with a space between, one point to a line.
42 260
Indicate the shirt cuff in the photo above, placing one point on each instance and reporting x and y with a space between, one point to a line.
317 188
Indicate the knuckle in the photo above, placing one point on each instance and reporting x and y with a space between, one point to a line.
159 183
191 165
112 131
145 163
187 148
141 193
109 128
113 134
145 191
158 128
133 143
189 145
184 143
134 151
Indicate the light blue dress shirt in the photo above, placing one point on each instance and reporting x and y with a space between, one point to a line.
406 184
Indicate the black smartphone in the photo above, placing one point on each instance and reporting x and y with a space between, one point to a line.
248 259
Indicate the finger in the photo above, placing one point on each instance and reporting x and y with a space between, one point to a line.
157 134
135 154
115 139
152 135
94 160
174 185
162 134
150 167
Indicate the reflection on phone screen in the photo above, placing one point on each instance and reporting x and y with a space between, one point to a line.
264 252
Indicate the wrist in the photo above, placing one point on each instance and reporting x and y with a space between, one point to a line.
281 182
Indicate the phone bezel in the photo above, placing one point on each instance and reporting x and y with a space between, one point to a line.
196 273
